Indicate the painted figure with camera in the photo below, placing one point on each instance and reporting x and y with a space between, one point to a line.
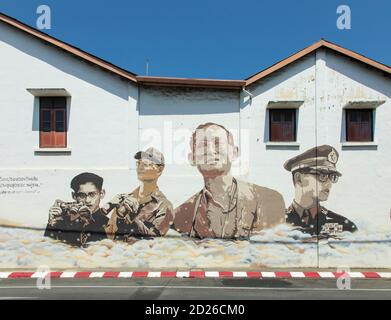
145 212
82 221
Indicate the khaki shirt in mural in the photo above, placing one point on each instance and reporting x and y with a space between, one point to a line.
251 208
154 217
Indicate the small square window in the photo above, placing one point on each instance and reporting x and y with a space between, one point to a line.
282 125
359 125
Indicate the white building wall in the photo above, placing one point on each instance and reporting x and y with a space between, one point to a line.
265 167
326 83
365 167
168 117
102 131
363 191
294 83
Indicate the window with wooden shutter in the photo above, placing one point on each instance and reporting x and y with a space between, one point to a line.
359 125
53 124
282 125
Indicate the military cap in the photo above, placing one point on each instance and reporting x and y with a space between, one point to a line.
151 154
322 158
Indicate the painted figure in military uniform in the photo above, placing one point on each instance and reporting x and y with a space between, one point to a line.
145 211
80 222
225 207
314 172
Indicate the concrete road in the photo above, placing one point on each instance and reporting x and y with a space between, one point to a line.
195 289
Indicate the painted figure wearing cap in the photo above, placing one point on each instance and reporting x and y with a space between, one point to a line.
225 207
145 211
314 172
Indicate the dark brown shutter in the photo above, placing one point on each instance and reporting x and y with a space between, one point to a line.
53 125
282 125
359 125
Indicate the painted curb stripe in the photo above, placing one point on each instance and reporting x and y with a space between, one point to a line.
154 275
268 274
239 274
211 274
254 274
140 274
82 275
168 274
125 274
226 274
197 274
326 274
313 275
182 274
55 275
372 275
20 275
111 274
297 275
384 274
68 275
97 274
283 275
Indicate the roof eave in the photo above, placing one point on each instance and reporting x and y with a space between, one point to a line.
194 83
322 43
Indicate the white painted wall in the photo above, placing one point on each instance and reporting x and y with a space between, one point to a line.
168 117
102 132
296 82
326 82
363 192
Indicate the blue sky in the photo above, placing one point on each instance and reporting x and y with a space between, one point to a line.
208 38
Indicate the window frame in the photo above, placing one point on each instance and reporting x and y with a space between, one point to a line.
294 112
348 123
53 105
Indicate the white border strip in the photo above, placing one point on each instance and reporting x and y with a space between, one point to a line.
206 274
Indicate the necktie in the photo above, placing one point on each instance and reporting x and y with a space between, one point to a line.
306 215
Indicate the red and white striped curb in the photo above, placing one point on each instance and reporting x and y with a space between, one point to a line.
194 274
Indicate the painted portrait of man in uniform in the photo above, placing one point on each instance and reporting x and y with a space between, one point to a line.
225 207
145 212
82 221
314 172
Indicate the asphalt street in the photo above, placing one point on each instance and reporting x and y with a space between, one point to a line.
194 289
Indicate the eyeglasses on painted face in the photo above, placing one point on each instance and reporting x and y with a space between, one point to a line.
324 176
146 164
84 196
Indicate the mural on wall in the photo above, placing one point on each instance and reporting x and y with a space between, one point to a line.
82 221
225 207
229 223
314 172
146 211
